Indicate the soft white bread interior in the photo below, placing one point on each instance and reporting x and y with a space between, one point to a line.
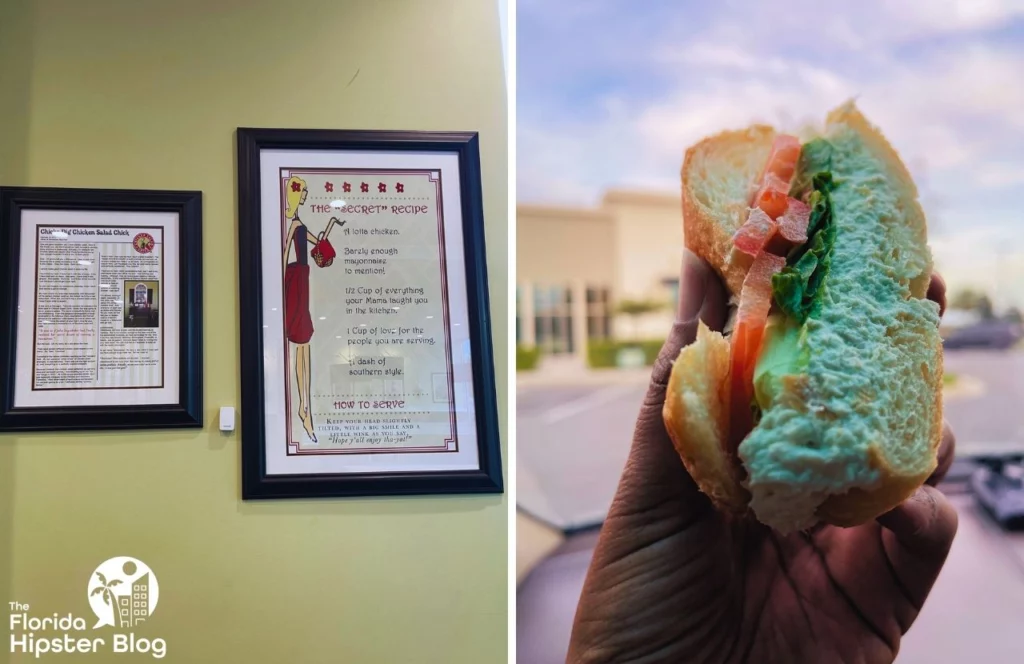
856 431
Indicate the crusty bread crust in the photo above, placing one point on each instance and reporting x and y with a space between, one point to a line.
849 115
697 417
713 212
709 223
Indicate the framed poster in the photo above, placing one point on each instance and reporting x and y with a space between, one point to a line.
102 309
365 336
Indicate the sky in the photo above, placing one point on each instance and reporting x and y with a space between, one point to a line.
611 93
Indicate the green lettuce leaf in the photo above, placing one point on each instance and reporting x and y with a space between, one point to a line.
797 288
815 158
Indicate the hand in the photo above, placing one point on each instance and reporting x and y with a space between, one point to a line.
672 580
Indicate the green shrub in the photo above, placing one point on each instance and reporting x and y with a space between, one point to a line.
527 359
651 350
601 354
604 354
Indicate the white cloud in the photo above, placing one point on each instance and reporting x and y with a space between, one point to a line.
951 109
930 17
997 176
861 27
772 96
946 112
982 259
718 54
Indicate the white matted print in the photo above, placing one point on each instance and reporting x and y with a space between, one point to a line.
97 309
379 309
102 328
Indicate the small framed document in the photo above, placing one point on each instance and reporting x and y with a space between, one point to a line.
102 309
365 332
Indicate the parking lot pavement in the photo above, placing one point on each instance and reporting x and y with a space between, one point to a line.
572 444
573 439
973 613
996 415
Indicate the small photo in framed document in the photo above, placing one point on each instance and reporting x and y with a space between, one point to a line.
363 282
102 309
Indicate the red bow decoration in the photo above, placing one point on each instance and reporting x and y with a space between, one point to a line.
296 186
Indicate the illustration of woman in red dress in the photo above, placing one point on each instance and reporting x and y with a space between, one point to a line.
297 318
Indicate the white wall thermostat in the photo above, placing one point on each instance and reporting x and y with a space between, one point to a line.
227 418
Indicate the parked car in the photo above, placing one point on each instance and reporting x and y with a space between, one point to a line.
996 334
999 486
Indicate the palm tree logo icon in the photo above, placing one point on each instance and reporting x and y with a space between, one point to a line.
106 589
123 592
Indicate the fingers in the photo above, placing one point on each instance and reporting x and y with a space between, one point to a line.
947 447
916 537
654 470
918 533
946 454
922 530
937 291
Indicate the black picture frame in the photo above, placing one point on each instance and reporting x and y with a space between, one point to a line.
256 483
187 412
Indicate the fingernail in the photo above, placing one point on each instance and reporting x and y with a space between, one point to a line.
692 279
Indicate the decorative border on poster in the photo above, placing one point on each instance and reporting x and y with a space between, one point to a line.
450 444
35 319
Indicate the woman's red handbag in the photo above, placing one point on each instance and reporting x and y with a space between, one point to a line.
323 253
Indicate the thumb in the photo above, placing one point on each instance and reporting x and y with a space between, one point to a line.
701 298
917 536
653 469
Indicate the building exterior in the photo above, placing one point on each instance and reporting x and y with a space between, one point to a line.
140 599
574 265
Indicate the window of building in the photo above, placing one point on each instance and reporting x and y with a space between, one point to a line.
552 307
599 314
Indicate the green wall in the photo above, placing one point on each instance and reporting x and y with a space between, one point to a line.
15 84
147 94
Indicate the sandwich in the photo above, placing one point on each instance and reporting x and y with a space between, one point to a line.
821 400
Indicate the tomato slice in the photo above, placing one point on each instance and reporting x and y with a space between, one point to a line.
775 224
773 193
753 235
791 228
793 222
782 160
773 196
751 318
